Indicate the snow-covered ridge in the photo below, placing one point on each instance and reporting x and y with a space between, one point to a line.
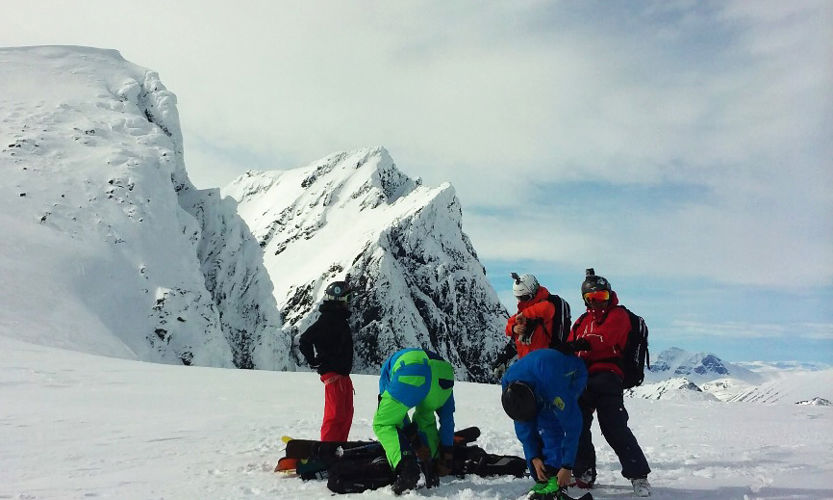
355 213
117 253
96 192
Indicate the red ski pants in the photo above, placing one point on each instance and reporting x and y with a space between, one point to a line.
338 406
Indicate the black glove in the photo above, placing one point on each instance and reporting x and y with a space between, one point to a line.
578 345
526 336
445 462
407 474
426 464
314 362
432 479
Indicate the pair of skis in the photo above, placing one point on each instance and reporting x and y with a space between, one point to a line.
303 451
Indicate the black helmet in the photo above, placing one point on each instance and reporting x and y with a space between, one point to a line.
338 291
519 401
593 283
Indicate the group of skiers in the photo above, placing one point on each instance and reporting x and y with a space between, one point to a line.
560 377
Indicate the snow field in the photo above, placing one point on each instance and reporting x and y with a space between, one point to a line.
76 425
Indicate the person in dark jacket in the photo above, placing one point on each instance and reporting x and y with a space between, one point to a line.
602 334
540 393
327 346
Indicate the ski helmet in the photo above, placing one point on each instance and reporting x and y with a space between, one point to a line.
337 291
519 401
525 286
594 283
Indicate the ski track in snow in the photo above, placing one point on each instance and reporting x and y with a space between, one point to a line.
76 425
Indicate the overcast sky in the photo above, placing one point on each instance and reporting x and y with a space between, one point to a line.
682 148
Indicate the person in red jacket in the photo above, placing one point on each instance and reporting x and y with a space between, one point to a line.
599 337
542 321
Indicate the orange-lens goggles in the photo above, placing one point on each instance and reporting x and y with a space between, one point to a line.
599 296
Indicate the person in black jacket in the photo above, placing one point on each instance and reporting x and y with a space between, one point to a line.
327 346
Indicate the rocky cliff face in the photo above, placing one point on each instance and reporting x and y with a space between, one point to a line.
418 279
96 193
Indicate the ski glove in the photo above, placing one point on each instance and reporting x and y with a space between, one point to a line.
499 370
314 362
579 345
407 474
526 336
445 463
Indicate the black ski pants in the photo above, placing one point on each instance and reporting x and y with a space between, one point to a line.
603 395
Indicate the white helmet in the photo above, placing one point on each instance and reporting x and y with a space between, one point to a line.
525 287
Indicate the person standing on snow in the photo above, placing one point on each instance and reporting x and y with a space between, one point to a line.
604 330
415 378
539 323
540 393
327 346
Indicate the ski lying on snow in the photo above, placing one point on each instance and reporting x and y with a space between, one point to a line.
311 448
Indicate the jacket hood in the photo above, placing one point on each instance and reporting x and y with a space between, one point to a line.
334 307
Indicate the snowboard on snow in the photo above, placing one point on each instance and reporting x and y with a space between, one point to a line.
328 451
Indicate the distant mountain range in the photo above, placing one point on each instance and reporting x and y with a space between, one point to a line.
678 374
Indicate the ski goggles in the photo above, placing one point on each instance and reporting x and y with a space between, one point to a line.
523 298
597 296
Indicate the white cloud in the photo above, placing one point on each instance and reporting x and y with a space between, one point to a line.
740 330
731 97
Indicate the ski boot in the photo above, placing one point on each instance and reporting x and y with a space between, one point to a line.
550 490
407 474
545 490
585 480
641 487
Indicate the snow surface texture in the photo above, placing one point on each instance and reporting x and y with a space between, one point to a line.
120 255
75 425
417 277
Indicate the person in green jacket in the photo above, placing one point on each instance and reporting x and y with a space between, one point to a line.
419 379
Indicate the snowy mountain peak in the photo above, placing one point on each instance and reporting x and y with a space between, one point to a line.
699 367
817 401
355 213
678 388
107 222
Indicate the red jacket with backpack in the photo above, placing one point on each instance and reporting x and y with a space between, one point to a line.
607 331
540 312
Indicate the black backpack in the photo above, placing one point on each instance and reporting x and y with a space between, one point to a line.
635 356
560 321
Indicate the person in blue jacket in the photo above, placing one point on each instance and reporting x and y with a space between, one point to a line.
540 393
